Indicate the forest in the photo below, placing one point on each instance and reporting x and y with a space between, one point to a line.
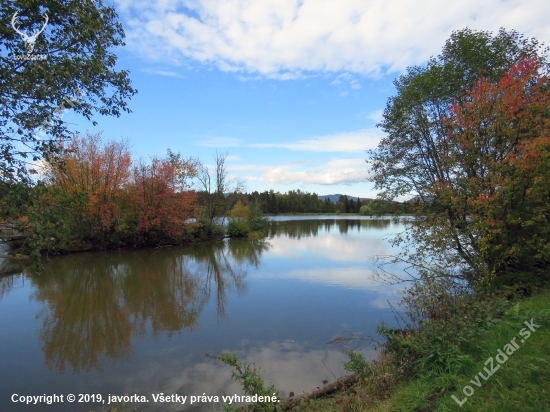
96 196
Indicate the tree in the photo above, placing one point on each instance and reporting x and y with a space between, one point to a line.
160 211
239 211
185 169
77 71
95 171
214 202
211 200
95 197
500 191
381 207
365 210
428 154
273 207
343 200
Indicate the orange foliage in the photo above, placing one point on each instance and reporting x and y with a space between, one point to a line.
99 172
161 211
141 204
501 139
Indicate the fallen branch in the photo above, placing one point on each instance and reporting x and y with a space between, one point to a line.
327 388
340 383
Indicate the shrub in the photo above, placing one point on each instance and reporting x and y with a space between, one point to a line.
358 365
251 381
365 210
239 211
443 317
256 220
238 228
206 230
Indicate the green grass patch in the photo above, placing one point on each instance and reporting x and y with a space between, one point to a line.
517 381
517 377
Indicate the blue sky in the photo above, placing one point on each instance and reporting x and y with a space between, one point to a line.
290 89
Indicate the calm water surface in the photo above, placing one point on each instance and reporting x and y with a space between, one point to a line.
140 322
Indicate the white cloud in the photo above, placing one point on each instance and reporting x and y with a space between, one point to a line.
247 167
358 141
339 171
286 38
288 365
220 142
346 79
376 115
362 251
167 73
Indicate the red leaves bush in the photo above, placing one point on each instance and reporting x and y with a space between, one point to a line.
118 202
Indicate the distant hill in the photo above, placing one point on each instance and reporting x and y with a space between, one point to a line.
334 198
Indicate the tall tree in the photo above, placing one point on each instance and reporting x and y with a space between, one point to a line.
75 70
418 158
215 185
499 192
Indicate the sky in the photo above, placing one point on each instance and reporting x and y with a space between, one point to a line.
291 90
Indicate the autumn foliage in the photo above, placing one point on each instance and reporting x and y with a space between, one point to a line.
467 141
118 202
159 210
96 174
497 153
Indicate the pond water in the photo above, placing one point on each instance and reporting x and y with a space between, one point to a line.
140 322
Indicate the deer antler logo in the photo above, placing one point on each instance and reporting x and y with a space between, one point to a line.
29 40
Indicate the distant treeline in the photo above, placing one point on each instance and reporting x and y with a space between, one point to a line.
97 196
296 201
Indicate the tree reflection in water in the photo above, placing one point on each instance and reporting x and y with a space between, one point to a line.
297 229
11 266
95 303
8 283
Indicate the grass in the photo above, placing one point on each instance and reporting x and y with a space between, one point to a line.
521 383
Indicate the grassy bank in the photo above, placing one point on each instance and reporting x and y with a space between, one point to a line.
517 376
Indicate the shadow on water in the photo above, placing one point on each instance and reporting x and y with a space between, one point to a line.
10 265
96 303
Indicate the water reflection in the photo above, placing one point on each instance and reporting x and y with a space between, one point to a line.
11 266
297 229
8 283
343 253
288 365
95 306
141 321
332 242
